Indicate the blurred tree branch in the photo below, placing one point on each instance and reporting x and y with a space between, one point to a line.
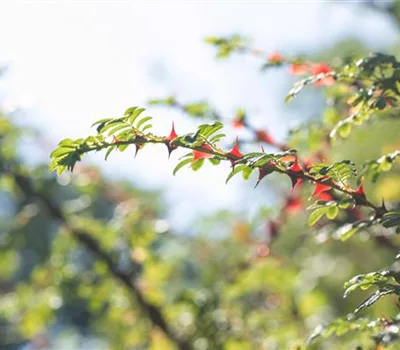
154 314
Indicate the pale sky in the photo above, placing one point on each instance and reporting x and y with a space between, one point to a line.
72 63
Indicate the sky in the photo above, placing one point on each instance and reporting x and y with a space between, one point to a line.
71 63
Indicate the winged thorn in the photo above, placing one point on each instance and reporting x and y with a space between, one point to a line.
172 136
319 188
202 155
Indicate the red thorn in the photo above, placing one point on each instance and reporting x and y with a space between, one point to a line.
295 180
360 189
383 206
324 196
235 150
202 155
264 136
138 147
264 171
140 143
293 204
295 167
172 136
273 228
171 148
319 188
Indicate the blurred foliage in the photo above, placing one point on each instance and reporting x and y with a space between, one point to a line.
265 282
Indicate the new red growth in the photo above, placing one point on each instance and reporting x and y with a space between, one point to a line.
238 124
293 204
324 197
299 69
275 58
322 68
264 136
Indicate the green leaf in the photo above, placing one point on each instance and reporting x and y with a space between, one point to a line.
374 168
206 130
182 164
61 169
53 165
142 121
101 121
332 212
344 130
247 172
385 165
93 140
197 164
168 101
316 215
214 161
67 161
197 109
67 143
340 327
134 114
289 97
122 148
237 169
217 138
110 125
118 128
58 152
109 150
129 111
346 203
338 171
346 231
148 126
380 279
391 219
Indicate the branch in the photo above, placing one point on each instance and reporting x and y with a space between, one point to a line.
90 243
359 199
